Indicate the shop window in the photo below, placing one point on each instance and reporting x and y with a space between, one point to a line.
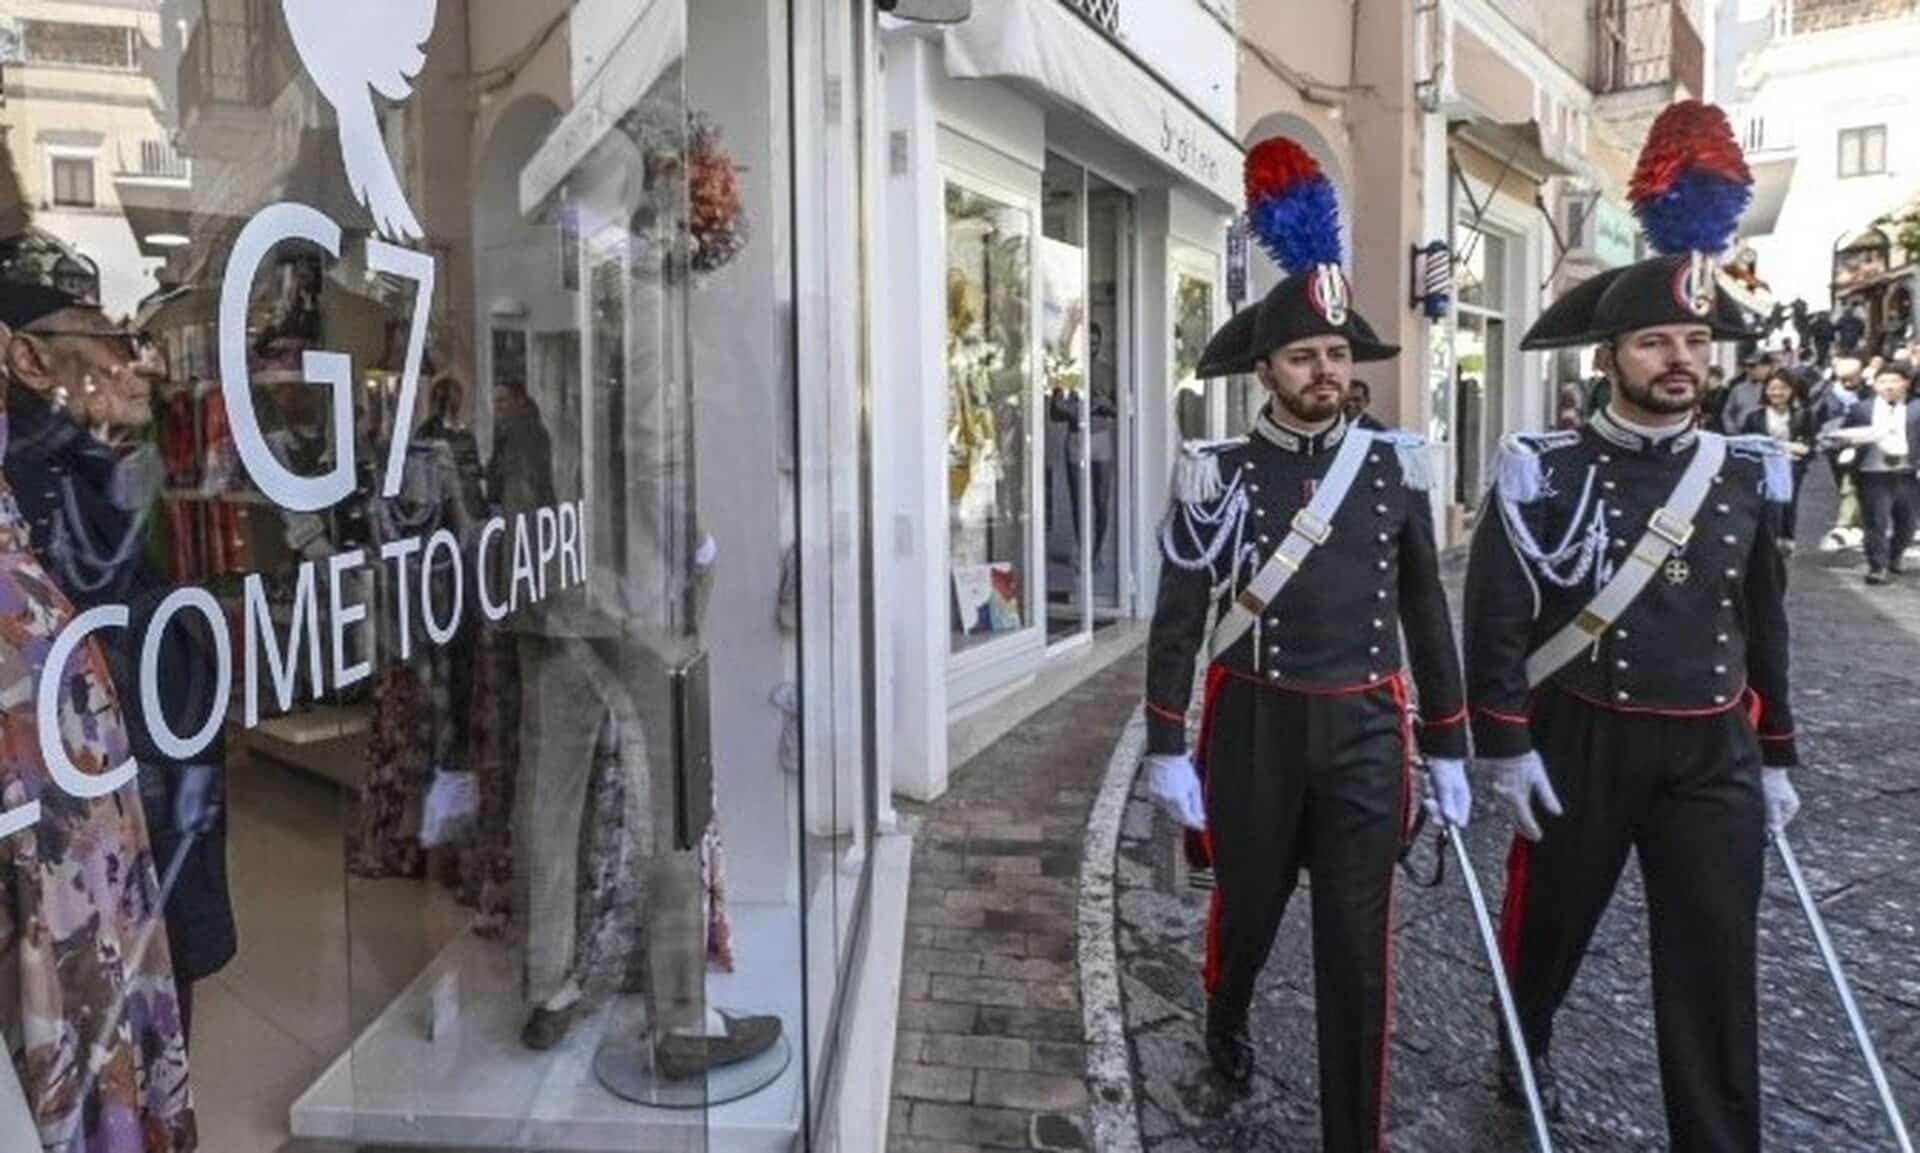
1863 151
989 321
73 181
1192 325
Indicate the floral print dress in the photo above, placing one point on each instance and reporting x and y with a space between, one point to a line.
87 1003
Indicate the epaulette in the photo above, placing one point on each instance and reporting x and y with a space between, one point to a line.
1416 462
1773 458
1196 473
1517 471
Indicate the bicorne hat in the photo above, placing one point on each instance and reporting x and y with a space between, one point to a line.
1294 215
1689 190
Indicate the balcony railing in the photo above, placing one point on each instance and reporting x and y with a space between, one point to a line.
229 59
1104 13
154 160
1805 17
1644 44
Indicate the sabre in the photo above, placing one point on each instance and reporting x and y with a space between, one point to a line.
1542 1137
1832 960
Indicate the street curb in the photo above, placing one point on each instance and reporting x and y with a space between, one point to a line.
1113 1118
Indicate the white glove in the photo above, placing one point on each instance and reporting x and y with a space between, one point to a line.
1518 782
1449 797
1175 787
1783 802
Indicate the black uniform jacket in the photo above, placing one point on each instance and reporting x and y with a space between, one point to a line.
1708 633
1335 627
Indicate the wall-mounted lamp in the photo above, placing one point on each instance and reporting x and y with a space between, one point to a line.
928 11
1432 279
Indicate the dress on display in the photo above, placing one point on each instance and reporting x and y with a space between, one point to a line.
87 999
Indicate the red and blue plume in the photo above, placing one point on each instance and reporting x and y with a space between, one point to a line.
1692 183
1292 209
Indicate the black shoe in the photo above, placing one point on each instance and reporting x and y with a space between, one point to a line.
1229 1047
1513 1092
1231 1055
1877 577
678 1057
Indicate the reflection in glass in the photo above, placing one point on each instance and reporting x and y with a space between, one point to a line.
989 369
1192 325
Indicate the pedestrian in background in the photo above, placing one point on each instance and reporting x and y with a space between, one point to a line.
1786 418
1840 392
1744 398
1884 430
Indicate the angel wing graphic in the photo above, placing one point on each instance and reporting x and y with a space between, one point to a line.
352 49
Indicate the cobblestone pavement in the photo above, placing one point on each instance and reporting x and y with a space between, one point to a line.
1857 677
990 1052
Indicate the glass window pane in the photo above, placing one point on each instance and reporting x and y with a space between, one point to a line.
1874 158
989 397
1192 325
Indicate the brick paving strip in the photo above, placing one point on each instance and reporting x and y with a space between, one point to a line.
992 1050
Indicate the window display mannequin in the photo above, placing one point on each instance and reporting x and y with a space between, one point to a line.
79 404
88 1004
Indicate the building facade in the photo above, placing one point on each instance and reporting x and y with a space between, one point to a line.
1060 179
1825 106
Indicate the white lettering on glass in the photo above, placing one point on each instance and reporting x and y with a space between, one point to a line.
159 729
53 744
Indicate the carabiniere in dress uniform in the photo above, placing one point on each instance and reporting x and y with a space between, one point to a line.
1626 654
1314 541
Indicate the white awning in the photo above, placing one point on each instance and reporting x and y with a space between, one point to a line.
1771 180
656 39
1043 43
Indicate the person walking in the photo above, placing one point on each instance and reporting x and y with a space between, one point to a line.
1884 431
1787 420
1312 539
1625 618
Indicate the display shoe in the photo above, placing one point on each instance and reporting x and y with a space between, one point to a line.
677 1055
1514 1093
546 1027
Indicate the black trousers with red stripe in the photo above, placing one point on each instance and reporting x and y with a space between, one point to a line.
1320 783
1683 792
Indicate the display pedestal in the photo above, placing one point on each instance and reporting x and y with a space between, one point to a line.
474 1085
624 1065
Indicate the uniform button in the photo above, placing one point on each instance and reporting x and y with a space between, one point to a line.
1605 459
1379 484
1380 510
1373 678
1726 602
1614 512
1373 650
1374 458
1620 634
1619 543
1608 485
1273 650
1721 639
1381 565
1719 479
1254 489
1729 539
1273 622
1249 466
1622 695
1719 670
1722 509
1265 539
1273 674
1380 594
1383 538
1733 574
1378 623
1620 665
1259 512
1718 699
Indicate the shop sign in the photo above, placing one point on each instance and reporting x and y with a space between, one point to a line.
1615 236
545 551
